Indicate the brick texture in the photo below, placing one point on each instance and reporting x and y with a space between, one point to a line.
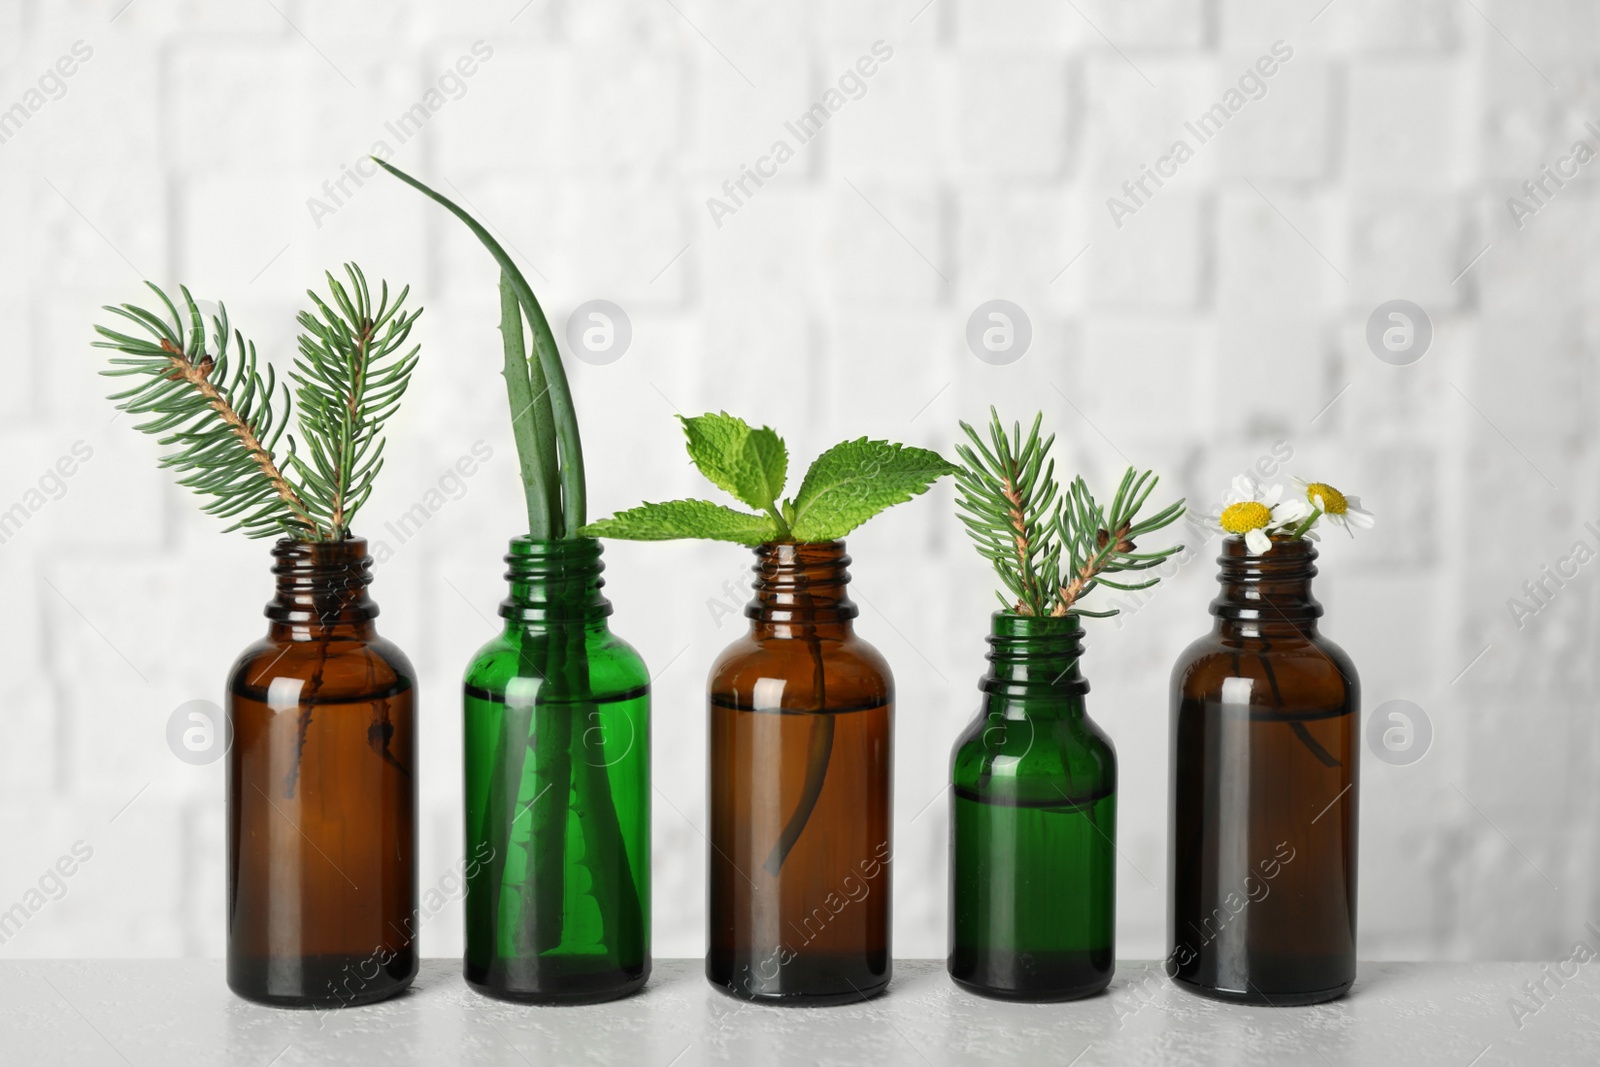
1224 313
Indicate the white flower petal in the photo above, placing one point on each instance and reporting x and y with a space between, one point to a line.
1257 543
1357 517
1242 489
1291 511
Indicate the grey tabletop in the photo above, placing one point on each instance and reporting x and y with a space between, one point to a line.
179 1012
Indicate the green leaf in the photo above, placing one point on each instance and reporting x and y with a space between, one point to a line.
747 463
854 480
684 518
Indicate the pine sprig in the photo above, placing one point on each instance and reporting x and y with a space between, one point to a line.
222 417
1006 491
1050 548
349 380
1097 545
215 410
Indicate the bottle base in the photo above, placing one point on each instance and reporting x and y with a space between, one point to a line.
1266 1000
319 981
1034 996
570 990
1042 977
803 999
801 982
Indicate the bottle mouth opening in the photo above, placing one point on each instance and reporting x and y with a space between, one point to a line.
351 551
1288 557
1066 628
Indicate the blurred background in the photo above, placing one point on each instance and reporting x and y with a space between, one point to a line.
1206 311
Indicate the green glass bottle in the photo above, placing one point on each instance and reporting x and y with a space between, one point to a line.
1033 826
557 752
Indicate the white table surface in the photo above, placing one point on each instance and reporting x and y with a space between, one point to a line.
179 1012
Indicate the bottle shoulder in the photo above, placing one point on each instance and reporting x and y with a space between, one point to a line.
1072 755
782 671
341 667
1308 671
610 663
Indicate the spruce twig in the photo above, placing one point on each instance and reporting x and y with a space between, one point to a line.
1052 548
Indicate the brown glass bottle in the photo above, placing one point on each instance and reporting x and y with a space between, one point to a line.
1264 772
322 793
801 763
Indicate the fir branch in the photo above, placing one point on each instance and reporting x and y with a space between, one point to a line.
1097 545
1050 548
349 379
1006 491
215 411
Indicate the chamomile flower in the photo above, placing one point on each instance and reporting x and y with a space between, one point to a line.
1255 512
1336 507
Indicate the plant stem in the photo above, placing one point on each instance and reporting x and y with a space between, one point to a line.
817 758
783 526
1299 531
197 375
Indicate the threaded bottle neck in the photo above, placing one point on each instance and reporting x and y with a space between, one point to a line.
801 583
1034 656
321 584
554 581
1272 590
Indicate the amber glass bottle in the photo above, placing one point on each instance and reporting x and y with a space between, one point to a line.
322 793
557 753
1033 825
801 762
1265 727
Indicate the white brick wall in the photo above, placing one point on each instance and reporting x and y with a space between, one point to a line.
1227 314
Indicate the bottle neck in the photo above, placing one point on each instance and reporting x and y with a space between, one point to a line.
1267 595
800 591
554 582
321 589
1034 662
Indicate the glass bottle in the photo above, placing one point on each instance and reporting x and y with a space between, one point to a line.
800 776
1033 824
322 792
557 753
1265 725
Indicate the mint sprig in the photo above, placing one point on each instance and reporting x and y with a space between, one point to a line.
847 485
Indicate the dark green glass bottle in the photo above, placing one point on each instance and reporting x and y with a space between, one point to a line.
557 752
1034 824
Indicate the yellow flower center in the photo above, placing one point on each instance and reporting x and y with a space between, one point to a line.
1333 501
1247 515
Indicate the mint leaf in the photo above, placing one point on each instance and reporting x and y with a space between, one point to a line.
684 518
749 464
854 480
